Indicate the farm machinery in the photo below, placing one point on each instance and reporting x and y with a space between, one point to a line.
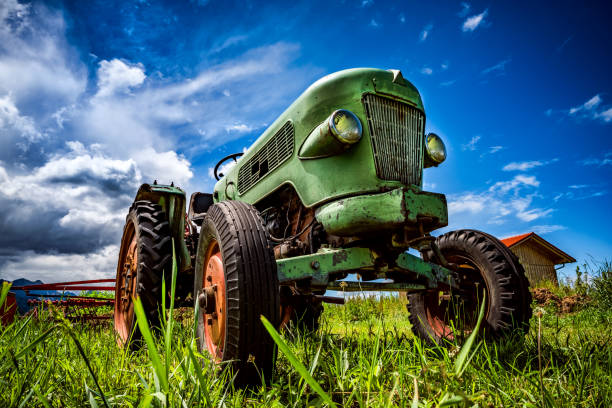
333 187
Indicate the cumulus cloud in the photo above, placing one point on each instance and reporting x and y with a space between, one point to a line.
473 22
11 121
501 203
118 76
70 167
56 267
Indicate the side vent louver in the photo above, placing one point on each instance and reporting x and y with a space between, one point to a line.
278 149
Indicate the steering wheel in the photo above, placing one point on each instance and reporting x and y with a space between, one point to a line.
233 156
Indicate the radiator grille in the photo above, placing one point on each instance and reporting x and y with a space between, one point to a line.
278 149
396 131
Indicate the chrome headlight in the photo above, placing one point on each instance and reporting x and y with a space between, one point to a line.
345 126
336 134
435 149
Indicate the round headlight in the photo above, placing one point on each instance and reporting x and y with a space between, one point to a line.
436 151
345 126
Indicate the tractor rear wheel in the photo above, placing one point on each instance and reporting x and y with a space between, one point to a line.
235 283
144 257
482 264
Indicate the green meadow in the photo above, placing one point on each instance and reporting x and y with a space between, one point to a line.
362 355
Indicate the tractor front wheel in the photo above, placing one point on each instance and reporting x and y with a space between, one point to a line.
482 265
235 283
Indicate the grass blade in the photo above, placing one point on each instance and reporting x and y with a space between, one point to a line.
143 325
198 370
462 357
77 343
35 342
295 362
3 294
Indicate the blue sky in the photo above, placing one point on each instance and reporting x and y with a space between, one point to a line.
97 97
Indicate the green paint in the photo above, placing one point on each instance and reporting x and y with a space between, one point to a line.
432 272
353 171
380 212
321 265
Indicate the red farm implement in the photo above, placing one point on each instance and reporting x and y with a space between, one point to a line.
61 296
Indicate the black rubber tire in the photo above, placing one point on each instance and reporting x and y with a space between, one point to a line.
252 288
508 296
154 248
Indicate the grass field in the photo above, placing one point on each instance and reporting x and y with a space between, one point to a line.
363 355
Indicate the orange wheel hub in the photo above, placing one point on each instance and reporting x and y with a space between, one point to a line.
212 301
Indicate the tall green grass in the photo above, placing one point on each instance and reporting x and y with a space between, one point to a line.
363 355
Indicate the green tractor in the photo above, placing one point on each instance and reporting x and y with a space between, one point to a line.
333 187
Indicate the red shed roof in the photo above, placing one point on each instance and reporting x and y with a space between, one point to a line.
531 238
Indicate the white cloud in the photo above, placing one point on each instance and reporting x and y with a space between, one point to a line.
93 145
472 23
469 202
606 115
471 145
503 202
527 165
166 167
402 18
606 159
588 105
55 267
12 121
498 68
426 71
495 149
522 166
589 110
240 128
447 83
117 76
374 23
546 229
425 32
533 214
520 180
32 49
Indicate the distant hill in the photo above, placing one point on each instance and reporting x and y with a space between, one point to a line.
22 298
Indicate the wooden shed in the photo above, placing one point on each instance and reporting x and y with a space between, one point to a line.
537 256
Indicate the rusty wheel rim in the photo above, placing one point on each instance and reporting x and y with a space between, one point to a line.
126 284
441 307
213 307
